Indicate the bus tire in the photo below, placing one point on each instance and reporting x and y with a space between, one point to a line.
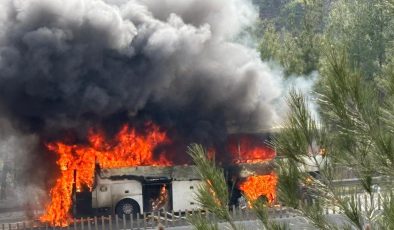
127 207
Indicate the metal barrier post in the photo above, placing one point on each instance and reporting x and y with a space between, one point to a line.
89 227
110 222
124 221
144 220
117 221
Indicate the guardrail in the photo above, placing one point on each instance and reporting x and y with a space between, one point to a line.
180 218
144 221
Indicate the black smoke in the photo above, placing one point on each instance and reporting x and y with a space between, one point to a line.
67 66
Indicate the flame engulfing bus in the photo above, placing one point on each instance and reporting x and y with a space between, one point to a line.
134 190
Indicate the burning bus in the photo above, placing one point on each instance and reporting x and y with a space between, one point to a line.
134 190
137 174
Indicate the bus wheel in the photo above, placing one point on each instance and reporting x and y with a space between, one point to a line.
127 207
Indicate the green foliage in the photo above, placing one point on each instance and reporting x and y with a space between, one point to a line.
214 194
299 140
282 47
260 209
289 183
301 134
298 30
365 28
294 37
360 112
355 130
387 220
351 44
314 212
351 210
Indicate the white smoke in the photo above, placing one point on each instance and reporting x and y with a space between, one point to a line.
15 152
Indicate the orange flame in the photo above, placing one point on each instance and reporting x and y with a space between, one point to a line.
127 149
160 201
247 149
256 186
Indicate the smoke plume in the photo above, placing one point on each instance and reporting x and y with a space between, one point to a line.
76 64
70 64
